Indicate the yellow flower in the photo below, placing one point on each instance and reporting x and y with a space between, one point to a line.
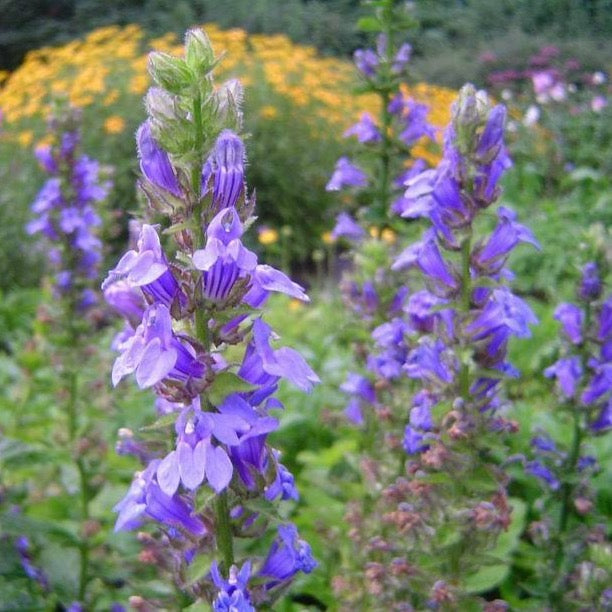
268 112
328 238
388 235
374 231
114 125
295 305
25 138
267 235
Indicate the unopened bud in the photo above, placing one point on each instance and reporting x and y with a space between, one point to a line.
170 73
199 54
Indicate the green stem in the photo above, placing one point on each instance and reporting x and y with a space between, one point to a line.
224 530
466 299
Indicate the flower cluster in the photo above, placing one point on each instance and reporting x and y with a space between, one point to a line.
447 328
583 377
194 333
65 209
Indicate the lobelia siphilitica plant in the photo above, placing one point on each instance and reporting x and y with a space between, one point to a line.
575 571
195 334
66 213
434 385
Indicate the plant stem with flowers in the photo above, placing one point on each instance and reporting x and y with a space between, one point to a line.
195 334
576 575
66 216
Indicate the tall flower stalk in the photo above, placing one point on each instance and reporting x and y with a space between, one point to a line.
569 525
65 214
196 335
433 385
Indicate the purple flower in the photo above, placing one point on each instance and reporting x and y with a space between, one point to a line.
402 57
126 300
590 284
427 256
284 483
225 260
346 174
539 470
366 61
601 383
572 320
195 457
287 556
492 138
604 419
420 414
147 267
226 167
154 352
416 125
421 310
154 161
505 313
427 362
544 444
233 595
492 255
347 227
359 386
354 413
605 320
145 498
44 156
568 372
413 441
264 366
365 130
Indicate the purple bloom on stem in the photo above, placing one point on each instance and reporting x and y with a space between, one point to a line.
287 556
226 167
504 312
346 174
544 444
44 155
359 386
492 138
263 365
347 227
148 268
126 300
568 372
427 256
601 384
604 419
504 238
145 498
590 284
233 595
539 470
154 161
154 352
354 413
416 123
402 57
365 130
413 441
571 318
225 258
284 483
366 61
426 362
605 320
420 415
195 457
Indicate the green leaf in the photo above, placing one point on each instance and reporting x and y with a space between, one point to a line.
162 423
198 568
486 578
369 24
224 384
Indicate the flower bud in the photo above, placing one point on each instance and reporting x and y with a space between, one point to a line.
170 73
199 55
